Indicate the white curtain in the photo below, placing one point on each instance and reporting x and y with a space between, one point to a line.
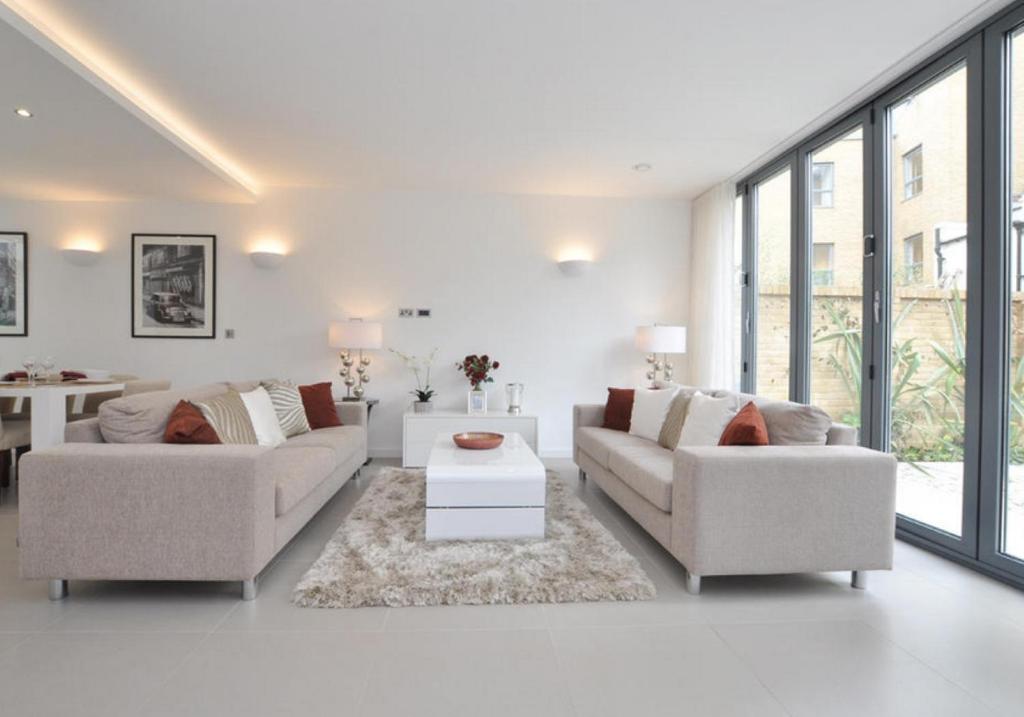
712 355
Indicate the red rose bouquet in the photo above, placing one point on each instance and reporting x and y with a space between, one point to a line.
477 369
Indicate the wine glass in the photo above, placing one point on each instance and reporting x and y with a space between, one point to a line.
30 368
48 365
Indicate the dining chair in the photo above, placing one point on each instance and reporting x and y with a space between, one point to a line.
132 385
15 435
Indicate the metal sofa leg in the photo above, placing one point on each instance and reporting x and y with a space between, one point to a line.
583 474
249 589
692 583
58 589
859 579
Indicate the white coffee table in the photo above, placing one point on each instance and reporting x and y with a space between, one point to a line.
484 495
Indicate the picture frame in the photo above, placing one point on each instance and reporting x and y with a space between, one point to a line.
174 286
13 283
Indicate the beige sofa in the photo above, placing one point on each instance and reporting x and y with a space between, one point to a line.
115 503
750 510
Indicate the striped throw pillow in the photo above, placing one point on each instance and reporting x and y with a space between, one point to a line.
229 418
287 400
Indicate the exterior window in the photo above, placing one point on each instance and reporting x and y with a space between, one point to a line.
822 181
823 273
913 259
913 173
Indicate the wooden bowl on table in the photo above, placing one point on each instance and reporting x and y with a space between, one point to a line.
478 440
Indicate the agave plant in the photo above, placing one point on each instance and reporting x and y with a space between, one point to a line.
846 360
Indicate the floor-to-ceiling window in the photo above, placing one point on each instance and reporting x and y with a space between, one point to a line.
1010 537
773 234
927 144
738 282
887 256
837 281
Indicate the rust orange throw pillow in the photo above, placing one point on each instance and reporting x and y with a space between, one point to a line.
747 428
187 425
618 409
319 405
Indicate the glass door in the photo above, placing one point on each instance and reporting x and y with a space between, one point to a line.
1011 503
926 323
836 201
1001 510
773 240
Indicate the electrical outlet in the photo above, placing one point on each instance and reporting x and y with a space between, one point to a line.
423 313
229 333
405 313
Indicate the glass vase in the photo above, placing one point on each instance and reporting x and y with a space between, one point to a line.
476 402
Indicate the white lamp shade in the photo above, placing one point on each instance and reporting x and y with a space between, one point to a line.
355 335
661 339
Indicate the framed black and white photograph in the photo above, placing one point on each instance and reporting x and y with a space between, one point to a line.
174 285
13 284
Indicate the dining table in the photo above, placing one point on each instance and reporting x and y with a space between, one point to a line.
49 404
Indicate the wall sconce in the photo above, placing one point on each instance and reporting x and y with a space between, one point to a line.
574 267
575 258
267 259
81 257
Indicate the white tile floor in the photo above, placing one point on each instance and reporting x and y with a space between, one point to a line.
929 638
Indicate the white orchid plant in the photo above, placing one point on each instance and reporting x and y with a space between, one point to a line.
420 367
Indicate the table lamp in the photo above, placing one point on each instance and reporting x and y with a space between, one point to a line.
663 340
349 336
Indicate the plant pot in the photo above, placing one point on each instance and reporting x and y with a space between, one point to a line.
422 407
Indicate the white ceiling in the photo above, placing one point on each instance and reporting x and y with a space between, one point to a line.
80 145
525 96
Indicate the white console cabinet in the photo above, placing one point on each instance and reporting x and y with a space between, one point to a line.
420 430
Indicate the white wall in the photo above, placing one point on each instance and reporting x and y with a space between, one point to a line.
484 264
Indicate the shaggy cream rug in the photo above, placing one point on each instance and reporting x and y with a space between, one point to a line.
379 557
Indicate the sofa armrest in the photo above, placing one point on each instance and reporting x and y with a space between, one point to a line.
353 413
775 509
585 414
146 512
840 434
85 431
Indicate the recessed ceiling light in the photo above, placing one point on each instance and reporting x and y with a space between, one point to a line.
22 112
642 167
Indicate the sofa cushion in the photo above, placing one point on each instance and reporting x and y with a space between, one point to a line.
187 425
650 407
142 418
673 425
263 417
706 419
747 428
647 470
789 424
229 417
291 414
618 408
795 424
297 472
597 442
345 441
319 404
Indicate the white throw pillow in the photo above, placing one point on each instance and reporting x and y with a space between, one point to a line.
649 410
263 416
706 419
